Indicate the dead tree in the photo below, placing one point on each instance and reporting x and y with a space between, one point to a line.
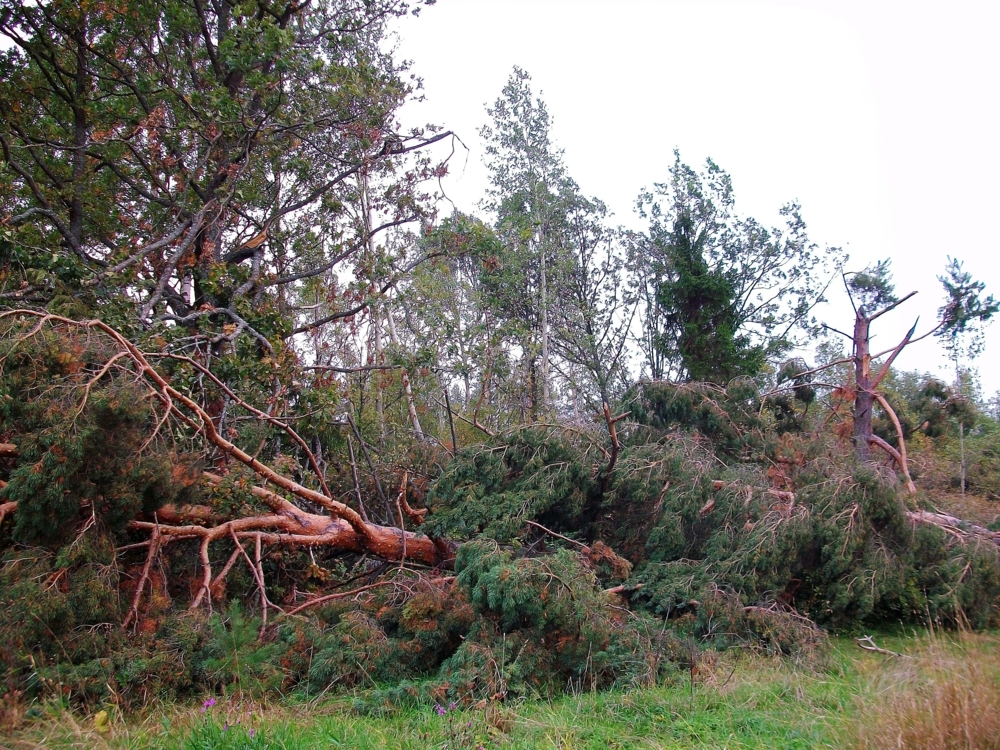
871 295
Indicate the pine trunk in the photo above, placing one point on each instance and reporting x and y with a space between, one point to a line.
864 398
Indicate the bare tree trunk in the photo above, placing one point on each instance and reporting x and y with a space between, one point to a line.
545 333
463 355
961 443
864 398
375 312
408 392
379 360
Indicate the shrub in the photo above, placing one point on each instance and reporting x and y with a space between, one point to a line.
546 624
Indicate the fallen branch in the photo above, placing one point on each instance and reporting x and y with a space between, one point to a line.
958 528
289 524
900 455
415 516
615 445
333 597
345 529
868 644
262 415
625 588
557 536
154 549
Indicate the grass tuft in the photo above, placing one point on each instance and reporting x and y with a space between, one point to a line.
946 696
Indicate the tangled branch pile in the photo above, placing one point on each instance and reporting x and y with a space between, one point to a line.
147 553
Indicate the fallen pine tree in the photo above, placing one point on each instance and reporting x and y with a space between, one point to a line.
127 502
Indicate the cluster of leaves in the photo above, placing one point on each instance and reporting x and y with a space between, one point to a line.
730 418
545 623
64 637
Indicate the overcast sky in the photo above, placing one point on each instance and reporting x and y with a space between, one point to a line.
880 118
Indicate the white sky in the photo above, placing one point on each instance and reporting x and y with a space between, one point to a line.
879 117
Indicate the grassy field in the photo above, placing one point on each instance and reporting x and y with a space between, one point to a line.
943 691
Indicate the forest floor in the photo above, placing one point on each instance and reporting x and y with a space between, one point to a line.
938 690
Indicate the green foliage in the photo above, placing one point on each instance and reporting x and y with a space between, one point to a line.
547 624
493 489
721 292
61 627
702 312
843 555
728 417
964 312
233 659
84 441
794 380
872 287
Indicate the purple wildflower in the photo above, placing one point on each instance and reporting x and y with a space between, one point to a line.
251 732
451 706
225 727
440 709
207 704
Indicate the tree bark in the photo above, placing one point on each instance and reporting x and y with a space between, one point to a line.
411 406
545 333
864 397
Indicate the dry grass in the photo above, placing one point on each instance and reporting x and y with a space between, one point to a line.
947 696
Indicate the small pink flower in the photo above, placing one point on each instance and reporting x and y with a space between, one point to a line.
207 704
251 732
440 709
225 727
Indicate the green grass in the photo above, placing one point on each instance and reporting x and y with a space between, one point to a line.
741 701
